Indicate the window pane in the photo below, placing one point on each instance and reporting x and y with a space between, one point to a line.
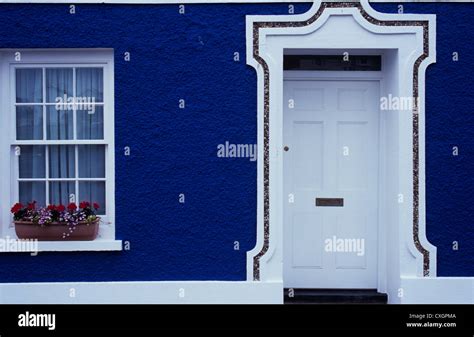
61 161
60 192
33 191
29 85
59 123
32 162
29 122
93 191
90 123
91 161
90 84
58 85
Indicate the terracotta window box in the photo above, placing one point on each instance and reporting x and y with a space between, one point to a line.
57 231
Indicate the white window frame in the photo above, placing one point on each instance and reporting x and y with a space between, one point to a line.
29 58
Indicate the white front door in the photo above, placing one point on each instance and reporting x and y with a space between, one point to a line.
330 175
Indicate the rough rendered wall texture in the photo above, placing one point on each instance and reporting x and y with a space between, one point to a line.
173 150
449 123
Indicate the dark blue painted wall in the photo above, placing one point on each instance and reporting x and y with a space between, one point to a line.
449 122
173 150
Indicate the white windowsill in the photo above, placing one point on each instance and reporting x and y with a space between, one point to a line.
68 246
63 246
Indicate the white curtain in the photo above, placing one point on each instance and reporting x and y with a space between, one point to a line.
92 165
90 125
32 166
59 84
29 83
29 126
61 165
90 119
29 122
59 126
90 83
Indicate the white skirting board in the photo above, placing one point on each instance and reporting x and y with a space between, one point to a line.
437 290
191 292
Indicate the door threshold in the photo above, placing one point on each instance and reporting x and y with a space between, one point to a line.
334 296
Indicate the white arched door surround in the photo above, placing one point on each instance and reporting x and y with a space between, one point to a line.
407 45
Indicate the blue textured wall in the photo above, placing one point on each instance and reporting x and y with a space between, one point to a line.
449 122
174 150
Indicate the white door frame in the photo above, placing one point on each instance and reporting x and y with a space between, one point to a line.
376 76
409 44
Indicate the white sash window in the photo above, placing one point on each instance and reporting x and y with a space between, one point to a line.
61 134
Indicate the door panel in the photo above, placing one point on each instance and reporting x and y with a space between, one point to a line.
306 239
331 131
308 171
353 161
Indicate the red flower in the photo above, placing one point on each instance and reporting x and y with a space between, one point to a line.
16 208
52 208
96 205
60 208
72 207
32 205
84 204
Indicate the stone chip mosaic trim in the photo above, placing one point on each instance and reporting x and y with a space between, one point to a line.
266 120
